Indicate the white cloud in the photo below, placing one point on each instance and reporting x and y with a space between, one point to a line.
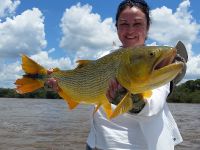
10 72
8 7
51 50
43 58
85 33
168 27
22 34
92 39
193 69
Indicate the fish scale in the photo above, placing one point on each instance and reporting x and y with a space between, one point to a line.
80 81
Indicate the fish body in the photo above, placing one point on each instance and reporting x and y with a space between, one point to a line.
138 69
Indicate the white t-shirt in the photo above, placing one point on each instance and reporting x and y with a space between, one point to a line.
152 129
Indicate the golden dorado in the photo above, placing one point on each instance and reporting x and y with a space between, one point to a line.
138 69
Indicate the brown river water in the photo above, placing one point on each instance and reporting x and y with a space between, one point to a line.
47 124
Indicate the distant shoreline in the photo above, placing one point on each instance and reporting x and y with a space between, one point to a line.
188 92
91 104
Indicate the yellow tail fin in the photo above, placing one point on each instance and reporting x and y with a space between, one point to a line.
26 85
31 67
30 81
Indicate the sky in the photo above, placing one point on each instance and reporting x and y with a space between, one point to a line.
57 33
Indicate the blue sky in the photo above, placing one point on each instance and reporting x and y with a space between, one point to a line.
58 33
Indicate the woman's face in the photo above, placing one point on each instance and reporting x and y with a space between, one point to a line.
132 27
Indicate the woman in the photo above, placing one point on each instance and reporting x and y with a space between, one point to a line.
149 125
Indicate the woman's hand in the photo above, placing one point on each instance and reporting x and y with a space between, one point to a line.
51 83
115 92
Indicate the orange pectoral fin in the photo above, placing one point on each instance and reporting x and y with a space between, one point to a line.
71 103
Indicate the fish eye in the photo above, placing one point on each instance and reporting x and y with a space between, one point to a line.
152 54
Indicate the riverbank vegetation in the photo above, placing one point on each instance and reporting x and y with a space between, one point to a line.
188 92
41 93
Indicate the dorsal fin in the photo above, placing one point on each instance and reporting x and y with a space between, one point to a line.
82 63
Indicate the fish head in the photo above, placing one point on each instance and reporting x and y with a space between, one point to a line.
148 67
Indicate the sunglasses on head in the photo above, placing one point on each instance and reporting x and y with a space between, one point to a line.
132 2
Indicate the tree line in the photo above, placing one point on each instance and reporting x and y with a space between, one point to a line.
40 93
188 92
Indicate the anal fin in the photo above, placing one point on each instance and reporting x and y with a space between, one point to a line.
71 103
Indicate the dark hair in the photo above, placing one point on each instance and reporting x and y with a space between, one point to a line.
141 4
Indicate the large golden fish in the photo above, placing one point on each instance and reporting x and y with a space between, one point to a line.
138 69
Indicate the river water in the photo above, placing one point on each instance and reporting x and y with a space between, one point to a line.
47 124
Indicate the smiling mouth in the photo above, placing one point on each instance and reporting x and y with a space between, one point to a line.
131 37
165 60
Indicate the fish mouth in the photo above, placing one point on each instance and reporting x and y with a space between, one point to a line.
165 60
165 69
